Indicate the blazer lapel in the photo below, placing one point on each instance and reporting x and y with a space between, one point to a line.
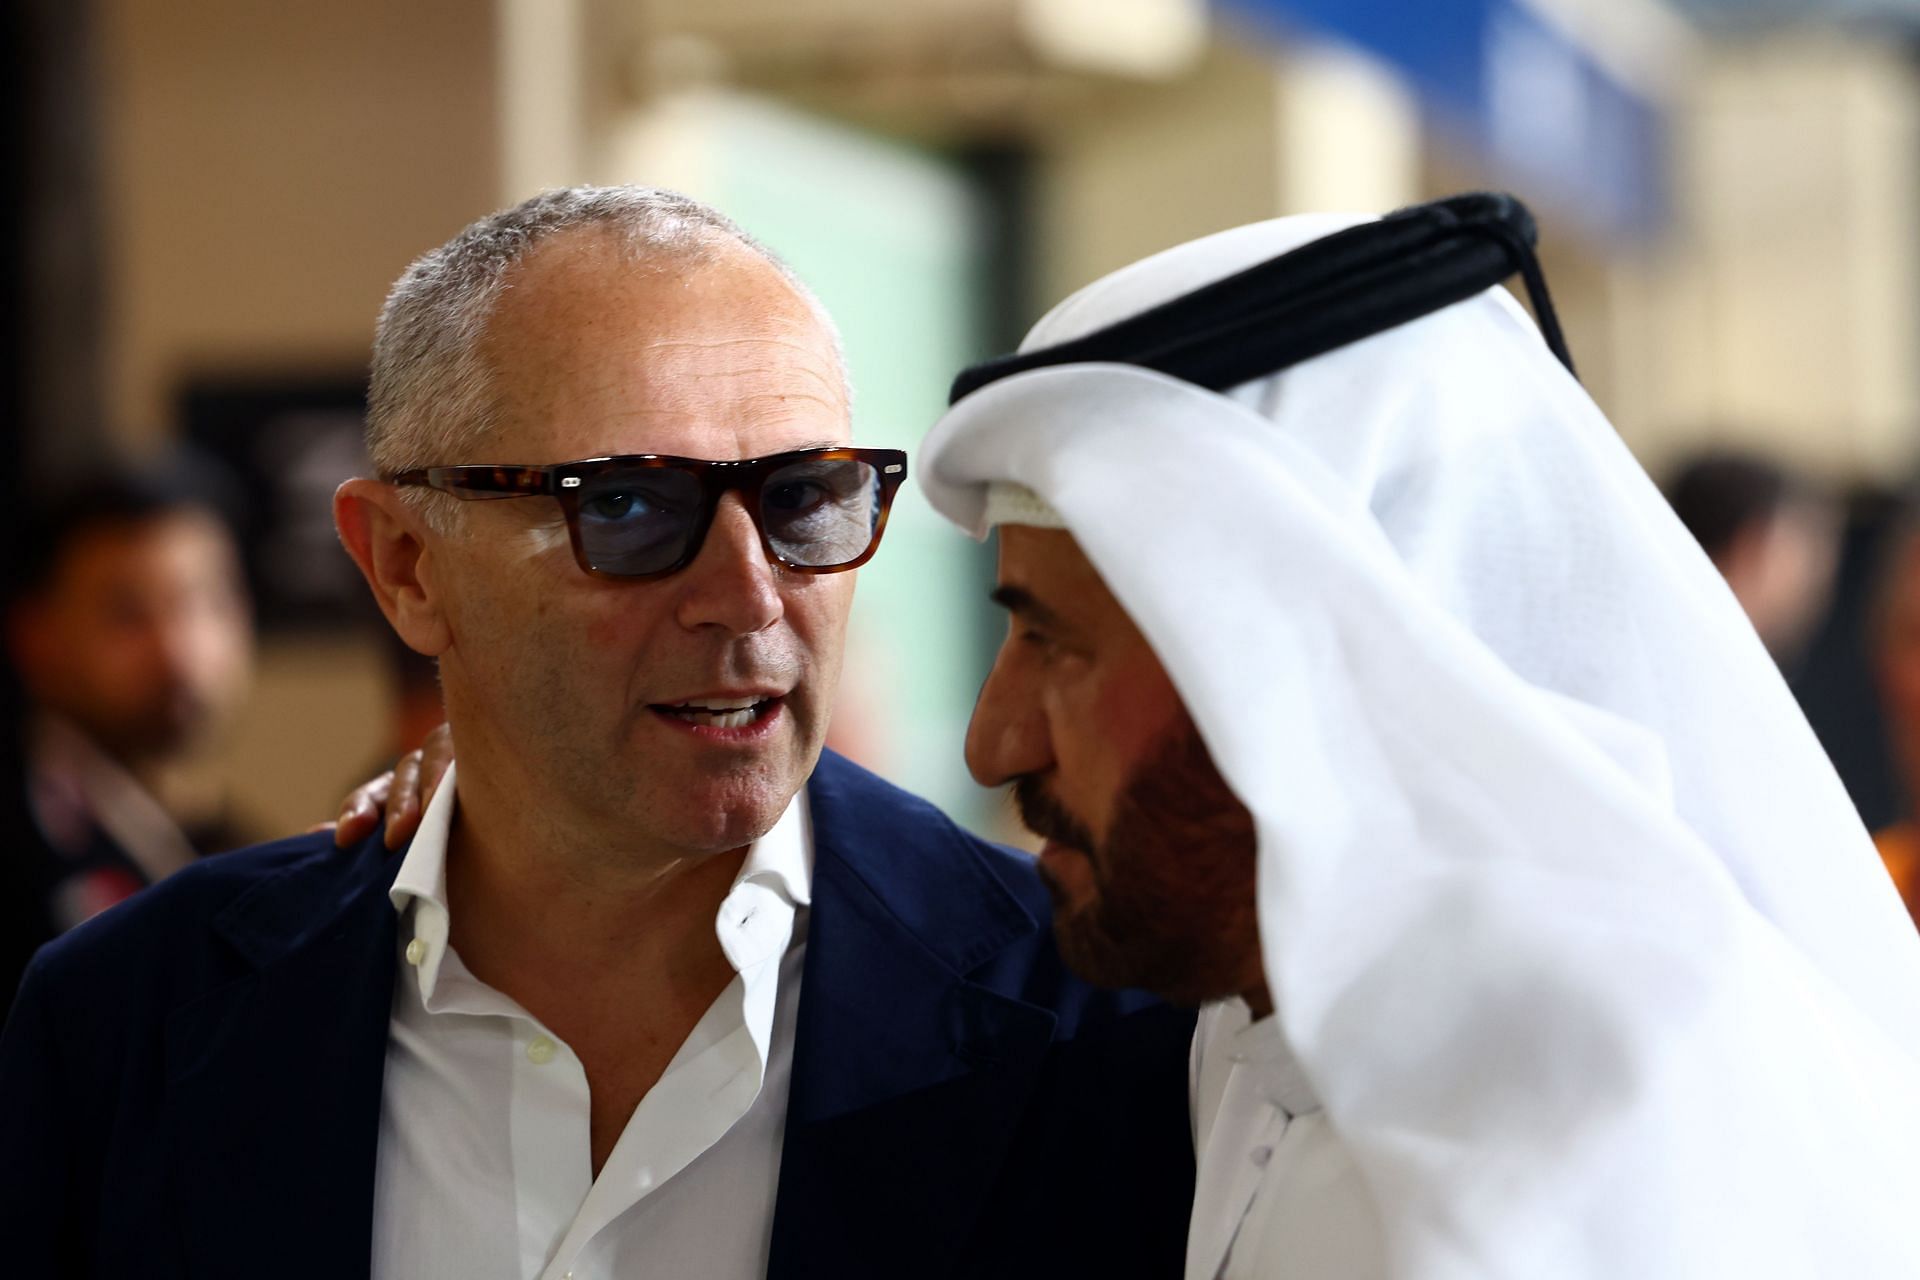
909 1081
274 1080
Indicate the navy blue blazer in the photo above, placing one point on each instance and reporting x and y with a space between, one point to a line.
190 1083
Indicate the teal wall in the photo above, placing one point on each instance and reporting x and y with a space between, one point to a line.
892 238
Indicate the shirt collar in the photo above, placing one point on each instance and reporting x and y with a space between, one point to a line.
422 884
780 861
1259 1046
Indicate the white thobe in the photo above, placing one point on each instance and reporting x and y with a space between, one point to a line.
484 1168
1277 1193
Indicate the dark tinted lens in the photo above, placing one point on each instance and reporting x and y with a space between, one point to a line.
637 520
821 512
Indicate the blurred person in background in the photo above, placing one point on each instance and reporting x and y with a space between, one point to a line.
129 630
1895 635
659 987
1772 535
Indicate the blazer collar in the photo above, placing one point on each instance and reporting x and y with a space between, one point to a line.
274 1079
289 911
909 1077
916 865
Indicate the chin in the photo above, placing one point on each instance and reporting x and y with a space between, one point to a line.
725 813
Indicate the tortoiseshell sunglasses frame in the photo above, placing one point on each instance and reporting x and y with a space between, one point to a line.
566 481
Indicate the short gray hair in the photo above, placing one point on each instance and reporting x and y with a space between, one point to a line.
430 400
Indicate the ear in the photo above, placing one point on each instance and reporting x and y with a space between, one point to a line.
390 541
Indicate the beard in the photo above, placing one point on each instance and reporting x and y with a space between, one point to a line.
1172 908
163 726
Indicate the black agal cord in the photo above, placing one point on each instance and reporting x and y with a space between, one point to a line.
1323 295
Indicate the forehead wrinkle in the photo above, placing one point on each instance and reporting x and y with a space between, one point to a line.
808 367
668 418
715 344
766 407
611 389
830 387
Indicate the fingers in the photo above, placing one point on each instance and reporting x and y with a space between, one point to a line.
403 794
360 812
403 802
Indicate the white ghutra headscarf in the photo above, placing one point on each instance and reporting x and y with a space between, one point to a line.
1566 917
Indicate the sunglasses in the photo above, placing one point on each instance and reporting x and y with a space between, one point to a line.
645 515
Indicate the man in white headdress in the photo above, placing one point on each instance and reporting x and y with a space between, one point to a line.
1368 694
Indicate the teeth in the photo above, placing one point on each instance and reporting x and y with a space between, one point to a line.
714 714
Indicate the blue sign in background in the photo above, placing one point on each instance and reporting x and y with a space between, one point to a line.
1541 111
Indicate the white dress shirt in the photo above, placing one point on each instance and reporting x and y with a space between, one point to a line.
485 1171
1276 1194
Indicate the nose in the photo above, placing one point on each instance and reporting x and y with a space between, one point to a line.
1008 735
731 583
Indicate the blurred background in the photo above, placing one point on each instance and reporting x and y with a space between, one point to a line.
212 197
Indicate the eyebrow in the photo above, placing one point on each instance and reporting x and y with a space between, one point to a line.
1021 603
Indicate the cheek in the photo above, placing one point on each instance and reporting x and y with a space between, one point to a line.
114 670
118 655
222 644
605 633
1134 713
1106 720
510 626
1132 705
817 609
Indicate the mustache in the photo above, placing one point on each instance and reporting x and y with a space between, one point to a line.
746 660
1046 817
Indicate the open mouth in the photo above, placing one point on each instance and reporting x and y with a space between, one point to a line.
719 713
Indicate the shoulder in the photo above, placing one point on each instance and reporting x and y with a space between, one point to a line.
855 809
982 906
844 794
172 929
839 784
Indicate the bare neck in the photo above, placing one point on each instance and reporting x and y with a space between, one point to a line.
539 902
618 958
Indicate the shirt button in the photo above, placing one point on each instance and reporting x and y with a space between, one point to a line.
540 1051
416 951
1260 1156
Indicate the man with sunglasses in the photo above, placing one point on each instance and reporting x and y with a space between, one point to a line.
659 987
